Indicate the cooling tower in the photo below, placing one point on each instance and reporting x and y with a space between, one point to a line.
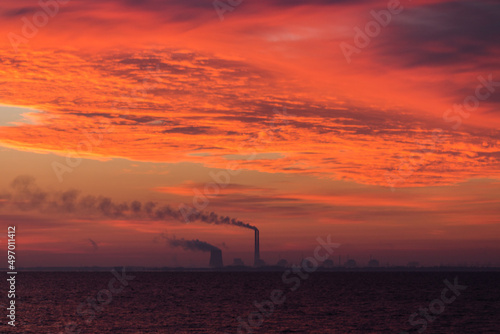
216 258
257 248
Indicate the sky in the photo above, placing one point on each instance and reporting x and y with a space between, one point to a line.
375 122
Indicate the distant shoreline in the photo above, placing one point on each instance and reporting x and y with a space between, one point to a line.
259 269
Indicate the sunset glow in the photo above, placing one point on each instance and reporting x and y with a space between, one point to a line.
282 115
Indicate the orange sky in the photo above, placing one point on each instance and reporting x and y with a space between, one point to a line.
395 148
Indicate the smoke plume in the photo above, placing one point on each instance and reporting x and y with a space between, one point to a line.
24 195
94 244
213 218
192 245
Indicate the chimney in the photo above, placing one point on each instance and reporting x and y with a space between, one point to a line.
257 248
216 258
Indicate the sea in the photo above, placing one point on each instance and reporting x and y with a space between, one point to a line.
254 302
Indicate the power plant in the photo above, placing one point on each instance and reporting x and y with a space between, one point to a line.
216 258
215 252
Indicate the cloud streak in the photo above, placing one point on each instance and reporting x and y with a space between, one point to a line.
207 101
186 109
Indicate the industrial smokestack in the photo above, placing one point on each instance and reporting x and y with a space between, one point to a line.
216 258
257 248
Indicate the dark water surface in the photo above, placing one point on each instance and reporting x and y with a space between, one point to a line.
175 302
